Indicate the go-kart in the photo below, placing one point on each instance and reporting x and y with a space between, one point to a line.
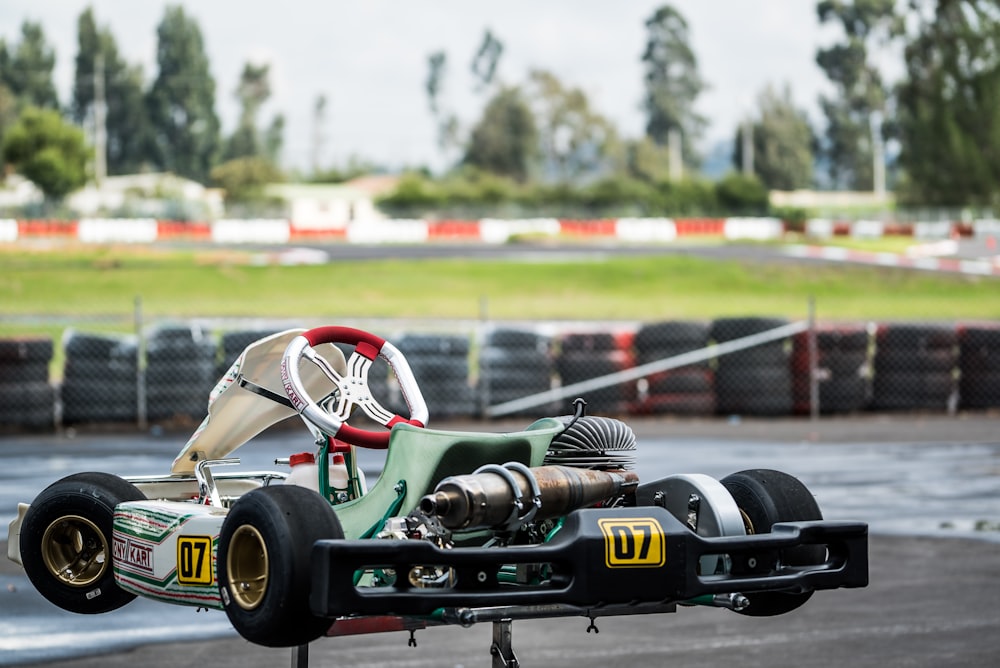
459 528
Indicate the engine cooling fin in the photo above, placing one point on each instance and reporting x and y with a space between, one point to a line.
593 442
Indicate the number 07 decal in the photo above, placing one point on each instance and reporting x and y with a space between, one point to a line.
633 543
194 560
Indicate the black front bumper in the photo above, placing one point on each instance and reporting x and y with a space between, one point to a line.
600 557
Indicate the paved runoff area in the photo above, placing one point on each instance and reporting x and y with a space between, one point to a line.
933 598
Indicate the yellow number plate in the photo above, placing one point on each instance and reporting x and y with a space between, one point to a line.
633 543
194 560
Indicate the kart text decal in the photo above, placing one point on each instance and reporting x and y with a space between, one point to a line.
194 560
633 543
135 553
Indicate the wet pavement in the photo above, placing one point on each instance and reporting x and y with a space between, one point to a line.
928 487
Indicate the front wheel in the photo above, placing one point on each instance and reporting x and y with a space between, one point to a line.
264 564
766 497
66 542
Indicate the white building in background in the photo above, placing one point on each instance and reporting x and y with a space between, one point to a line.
155 194
17 192
319 206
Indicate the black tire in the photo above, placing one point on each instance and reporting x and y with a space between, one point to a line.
677 335
433 344
730 329
263 564
766 497
917 337
517 339
31 371
66 529
587 342
25 349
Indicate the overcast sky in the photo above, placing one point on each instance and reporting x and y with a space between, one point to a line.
370 58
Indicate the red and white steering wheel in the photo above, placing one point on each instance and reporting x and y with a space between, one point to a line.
352 389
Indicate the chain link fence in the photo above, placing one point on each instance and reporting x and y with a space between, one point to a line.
131 372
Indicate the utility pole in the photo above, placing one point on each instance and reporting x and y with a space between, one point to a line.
748 147
319 137
676 163
878 155
100 123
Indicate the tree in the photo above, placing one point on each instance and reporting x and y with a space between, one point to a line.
949 106
854 113
486 60
181 101
782 142
47 151
252 92
673 83
575 140
244 179
27 70
126 122
8 115
505 141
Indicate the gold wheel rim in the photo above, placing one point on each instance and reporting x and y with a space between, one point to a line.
247 564
75 551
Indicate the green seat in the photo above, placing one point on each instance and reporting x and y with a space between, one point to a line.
423 457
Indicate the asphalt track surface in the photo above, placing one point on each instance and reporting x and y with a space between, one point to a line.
931 601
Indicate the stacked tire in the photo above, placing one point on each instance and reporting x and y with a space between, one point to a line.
979 366
914 367
440 364
686 390
180 372
514 364
843 370
100 378
585 356
27 398
756 380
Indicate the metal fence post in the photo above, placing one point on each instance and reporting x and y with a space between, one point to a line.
140 378
813 362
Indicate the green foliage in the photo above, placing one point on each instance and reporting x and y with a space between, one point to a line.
48 151
27 69
743 195
860 93
673 83
575 140
782 142
182 100
950 108
127 120
505 141
244 179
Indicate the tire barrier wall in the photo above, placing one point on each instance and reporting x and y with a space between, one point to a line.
181 370
915 367
515 363
979 366
688 390
667 368
27 399
843 370
755 381
583 356
101 378
440 364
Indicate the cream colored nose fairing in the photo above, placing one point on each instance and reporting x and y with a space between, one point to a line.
239 407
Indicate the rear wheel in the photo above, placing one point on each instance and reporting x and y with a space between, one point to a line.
264 564
764 498
66 542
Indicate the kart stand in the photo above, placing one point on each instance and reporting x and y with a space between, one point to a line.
500 649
